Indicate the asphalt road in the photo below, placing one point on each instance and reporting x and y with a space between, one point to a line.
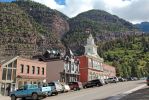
99 93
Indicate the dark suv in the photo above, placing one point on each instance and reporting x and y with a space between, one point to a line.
75 85
92 83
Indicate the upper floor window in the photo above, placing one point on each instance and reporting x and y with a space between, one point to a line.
27 70
33 69
22 68
38 70
42 71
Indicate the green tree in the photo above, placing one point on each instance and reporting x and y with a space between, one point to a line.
117 67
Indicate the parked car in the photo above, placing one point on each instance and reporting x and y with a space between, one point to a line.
113 80
66 87
56 87
75 85
135 78
147 81
92 83
130 79
30 90
106 81
120 79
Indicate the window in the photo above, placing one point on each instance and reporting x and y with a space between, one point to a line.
42 71
14 75
33 69
27 69
22 68
4 74
9 74
38 70
10 65
15 64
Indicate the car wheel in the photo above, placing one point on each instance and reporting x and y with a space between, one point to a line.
34 96
23 98
85 87
75 89
13 97
56 93
97 85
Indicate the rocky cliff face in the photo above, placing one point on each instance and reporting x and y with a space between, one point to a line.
29 28
51 20
18 35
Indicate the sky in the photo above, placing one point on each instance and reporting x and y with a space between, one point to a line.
135 11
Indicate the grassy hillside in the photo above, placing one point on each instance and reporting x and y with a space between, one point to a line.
130 55
18 34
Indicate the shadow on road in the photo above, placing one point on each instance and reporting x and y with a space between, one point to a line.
142 82
142 94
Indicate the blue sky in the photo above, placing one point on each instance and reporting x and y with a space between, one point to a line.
60 2
6 0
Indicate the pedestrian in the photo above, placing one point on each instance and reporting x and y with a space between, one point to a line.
8 90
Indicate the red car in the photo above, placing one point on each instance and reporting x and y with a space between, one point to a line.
75 85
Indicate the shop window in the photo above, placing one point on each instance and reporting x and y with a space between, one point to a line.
9 74
14 75
42 71
4 74
22 68
15 64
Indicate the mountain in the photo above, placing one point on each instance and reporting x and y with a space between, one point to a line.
28 28
144 26
51 20
101 24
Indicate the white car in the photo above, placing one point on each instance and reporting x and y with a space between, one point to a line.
113 80
66 87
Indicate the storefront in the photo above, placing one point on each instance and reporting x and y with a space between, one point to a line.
8 76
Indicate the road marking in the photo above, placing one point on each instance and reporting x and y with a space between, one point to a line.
119 96
135 89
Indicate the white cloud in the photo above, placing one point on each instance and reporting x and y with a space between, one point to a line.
131 10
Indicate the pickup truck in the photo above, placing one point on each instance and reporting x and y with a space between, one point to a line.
31 90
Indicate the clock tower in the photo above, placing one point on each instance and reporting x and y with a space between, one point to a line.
91 48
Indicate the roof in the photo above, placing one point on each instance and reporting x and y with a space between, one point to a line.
4 60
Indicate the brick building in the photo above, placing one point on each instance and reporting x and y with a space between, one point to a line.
17 71
30 71
91 64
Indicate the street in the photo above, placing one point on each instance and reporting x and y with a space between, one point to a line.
107 92
99 93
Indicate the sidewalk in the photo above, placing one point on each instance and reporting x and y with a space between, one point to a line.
142 94
4 97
